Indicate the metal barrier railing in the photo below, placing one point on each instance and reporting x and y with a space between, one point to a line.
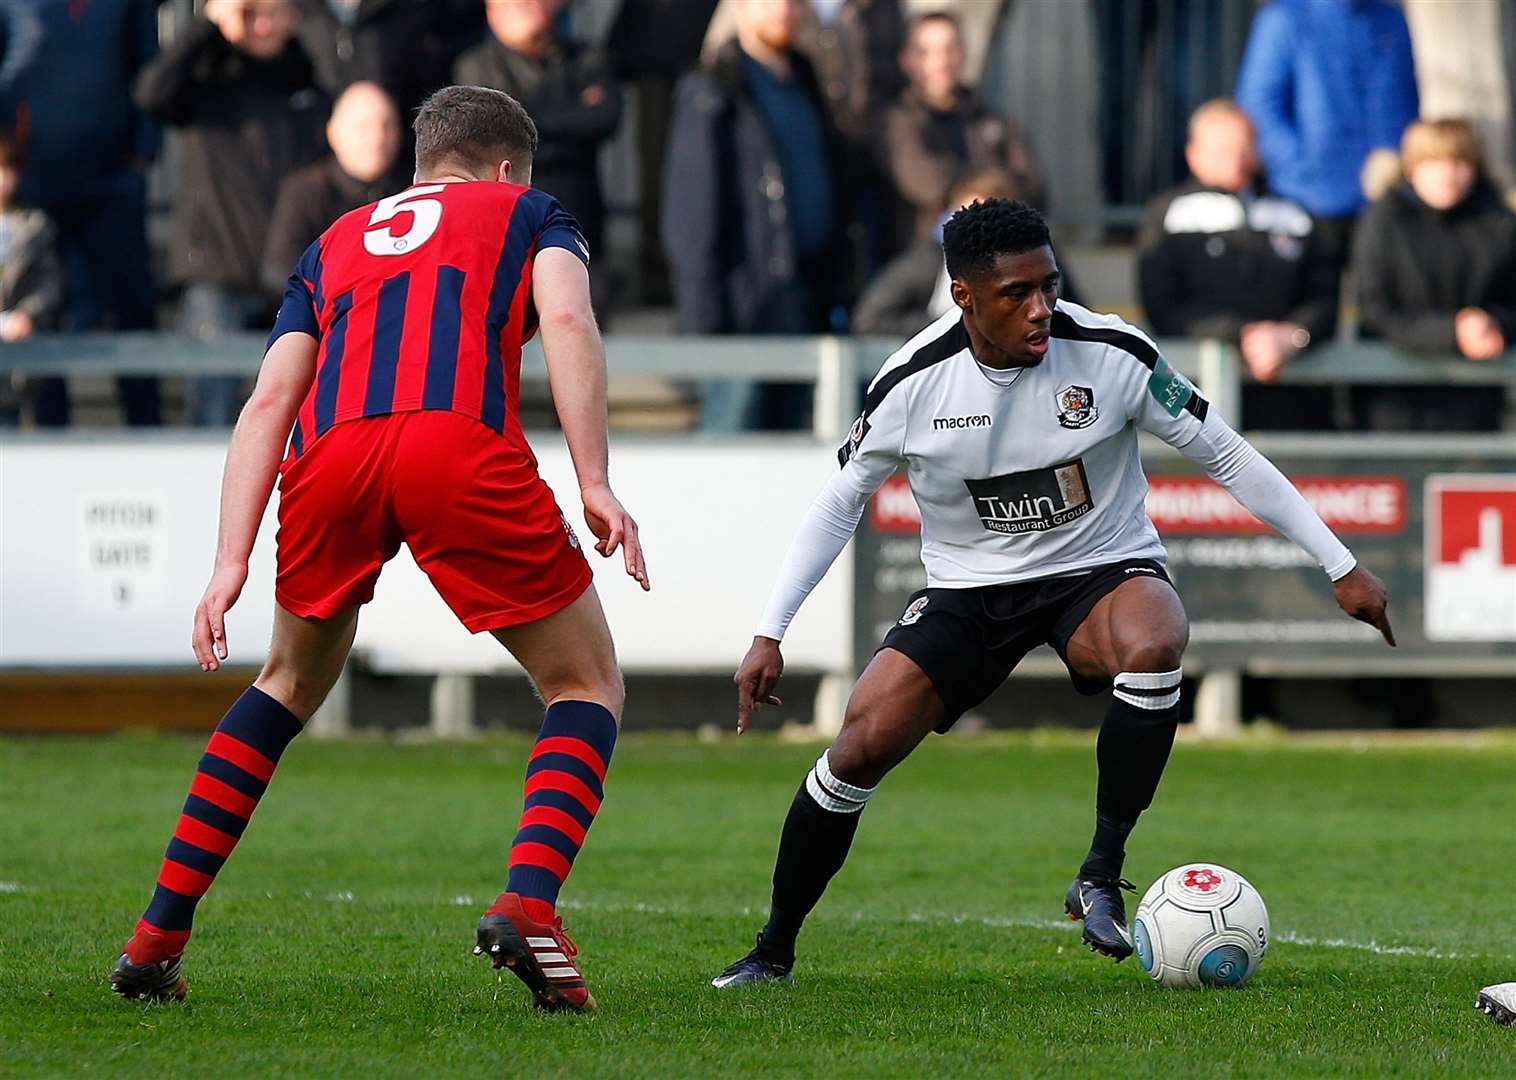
835 366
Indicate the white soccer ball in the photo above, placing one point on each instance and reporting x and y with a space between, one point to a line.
1201 925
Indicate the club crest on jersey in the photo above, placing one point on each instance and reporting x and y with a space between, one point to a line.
1076 406
913 612
855 436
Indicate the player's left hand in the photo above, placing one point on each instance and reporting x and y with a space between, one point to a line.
613 527
209 636
1362 595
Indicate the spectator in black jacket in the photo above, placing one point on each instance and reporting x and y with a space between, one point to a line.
1436 266
364 166
67 74
406 46
1218 257
750 208
243 97
568 89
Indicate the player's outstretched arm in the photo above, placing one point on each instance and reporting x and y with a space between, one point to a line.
252 463
822 535
576 372
1257 484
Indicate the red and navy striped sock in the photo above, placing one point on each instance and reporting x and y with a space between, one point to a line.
565 779
232 776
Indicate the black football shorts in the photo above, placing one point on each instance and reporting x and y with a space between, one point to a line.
969 640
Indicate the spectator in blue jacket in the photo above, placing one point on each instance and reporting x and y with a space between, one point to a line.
1325 82
65 84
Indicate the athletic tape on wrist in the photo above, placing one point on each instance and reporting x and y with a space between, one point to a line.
832 794
1152 690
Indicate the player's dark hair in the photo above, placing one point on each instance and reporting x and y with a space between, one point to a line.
986 229
473 125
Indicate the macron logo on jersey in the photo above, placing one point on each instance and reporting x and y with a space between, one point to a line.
952 423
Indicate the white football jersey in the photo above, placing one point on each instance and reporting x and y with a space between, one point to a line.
1028 473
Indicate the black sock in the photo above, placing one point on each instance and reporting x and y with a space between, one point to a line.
817 835
1131 752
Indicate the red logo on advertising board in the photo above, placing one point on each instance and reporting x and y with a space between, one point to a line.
1470 558
893 508
1349 504
1476 524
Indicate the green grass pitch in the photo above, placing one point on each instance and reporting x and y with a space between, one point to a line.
337 940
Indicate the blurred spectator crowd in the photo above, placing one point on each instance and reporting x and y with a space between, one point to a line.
791 162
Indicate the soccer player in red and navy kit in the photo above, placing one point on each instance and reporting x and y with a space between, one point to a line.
392 376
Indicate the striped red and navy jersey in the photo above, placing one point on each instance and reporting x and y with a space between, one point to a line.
423 300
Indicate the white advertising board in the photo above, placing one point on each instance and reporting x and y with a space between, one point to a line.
106 545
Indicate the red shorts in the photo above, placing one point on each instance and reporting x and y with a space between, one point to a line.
478 520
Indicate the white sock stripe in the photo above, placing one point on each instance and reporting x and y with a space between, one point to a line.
1149 680
826 800
837 787
1155 704
1140 688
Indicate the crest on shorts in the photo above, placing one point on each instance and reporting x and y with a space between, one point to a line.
573 537
1076 406
913 611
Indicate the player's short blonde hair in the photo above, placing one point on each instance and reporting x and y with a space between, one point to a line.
1426 140
475 127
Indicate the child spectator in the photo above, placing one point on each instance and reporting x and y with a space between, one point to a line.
1436 267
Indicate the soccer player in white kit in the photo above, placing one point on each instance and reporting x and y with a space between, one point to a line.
1015 416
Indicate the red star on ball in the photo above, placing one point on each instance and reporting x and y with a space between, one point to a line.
1204 879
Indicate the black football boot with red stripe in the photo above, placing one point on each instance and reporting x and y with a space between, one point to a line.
151 967
539 954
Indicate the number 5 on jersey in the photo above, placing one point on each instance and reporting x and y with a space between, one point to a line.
425 213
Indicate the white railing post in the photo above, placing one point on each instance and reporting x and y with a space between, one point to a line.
836 388
453 706
1220 371
1218 704
831 703
334 720
836 405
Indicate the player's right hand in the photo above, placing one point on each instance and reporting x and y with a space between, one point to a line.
209 636
757 678
613 527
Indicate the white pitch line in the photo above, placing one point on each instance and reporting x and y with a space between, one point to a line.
1367 946
935 918
10 886
1006 922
